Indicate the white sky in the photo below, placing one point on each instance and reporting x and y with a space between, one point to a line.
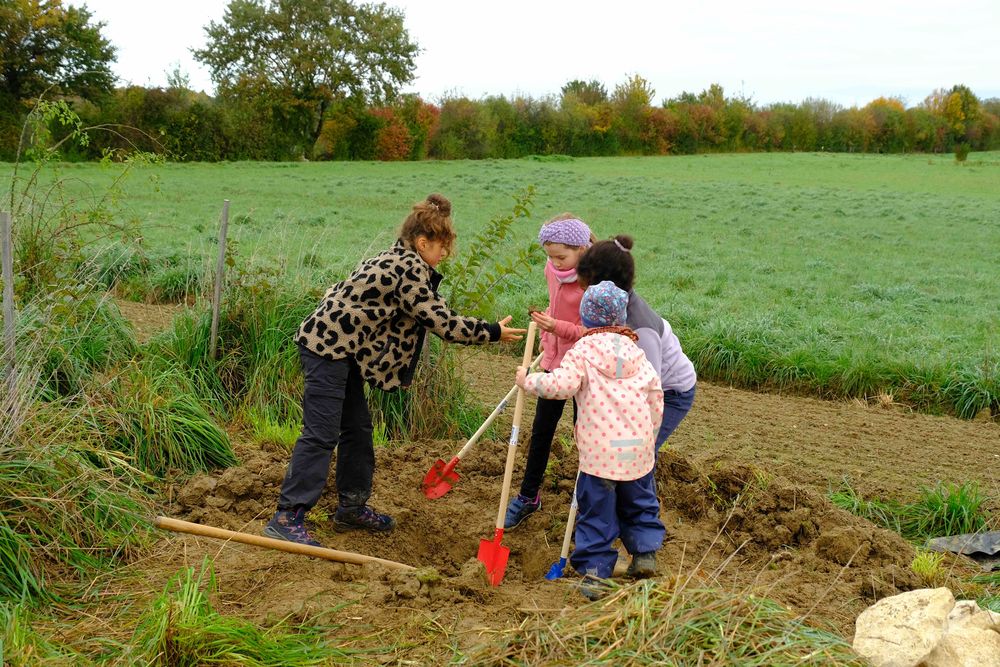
847 51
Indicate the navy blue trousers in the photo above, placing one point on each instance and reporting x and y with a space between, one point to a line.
676 405
608 509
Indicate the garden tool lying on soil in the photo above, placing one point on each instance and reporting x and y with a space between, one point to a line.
440 478
179 526
556 571
492 554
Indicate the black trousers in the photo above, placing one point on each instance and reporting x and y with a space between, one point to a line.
334 417
548 412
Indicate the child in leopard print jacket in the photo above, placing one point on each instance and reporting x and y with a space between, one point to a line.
369 327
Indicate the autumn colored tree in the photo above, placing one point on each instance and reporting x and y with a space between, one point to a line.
630 102
314 52
888 118
590 92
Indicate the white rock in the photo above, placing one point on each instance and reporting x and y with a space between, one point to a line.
966 645
903 630
968 613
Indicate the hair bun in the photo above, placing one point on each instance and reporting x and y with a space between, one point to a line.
439 202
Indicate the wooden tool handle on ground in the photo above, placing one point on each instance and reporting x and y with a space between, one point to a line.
508 473
179 526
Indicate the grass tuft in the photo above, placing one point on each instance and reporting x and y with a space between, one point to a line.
181 628
20 644
654 623
155 417
946 509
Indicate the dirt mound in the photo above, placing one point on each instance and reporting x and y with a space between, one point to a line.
787 539
731 526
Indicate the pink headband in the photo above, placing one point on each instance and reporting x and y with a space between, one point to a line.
571 232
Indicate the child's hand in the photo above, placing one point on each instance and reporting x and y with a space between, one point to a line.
544 322
509 334
522 373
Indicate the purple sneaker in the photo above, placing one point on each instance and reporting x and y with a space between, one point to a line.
290 525
364 518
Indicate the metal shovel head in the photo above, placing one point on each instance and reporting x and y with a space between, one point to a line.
437 482
494 556
557 569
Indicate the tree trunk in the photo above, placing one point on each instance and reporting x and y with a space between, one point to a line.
323 106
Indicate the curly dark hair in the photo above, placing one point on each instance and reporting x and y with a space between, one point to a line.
606 260
430 218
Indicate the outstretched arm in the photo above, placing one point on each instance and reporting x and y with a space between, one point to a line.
561 383
420 302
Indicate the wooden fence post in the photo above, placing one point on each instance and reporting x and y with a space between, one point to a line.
220 267
9 331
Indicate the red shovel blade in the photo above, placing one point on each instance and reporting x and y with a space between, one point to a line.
439 478
494 556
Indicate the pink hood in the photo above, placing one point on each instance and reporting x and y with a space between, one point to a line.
619 400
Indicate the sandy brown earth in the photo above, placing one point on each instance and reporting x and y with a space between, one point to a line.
148 319
743 496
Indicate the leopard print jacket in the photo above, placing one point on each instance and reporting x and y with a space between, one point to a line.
379 315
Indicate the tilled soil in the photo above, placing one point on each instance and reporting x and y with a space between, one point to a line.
742 486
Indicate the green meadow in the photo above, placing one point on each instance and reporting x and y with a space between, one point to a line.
837 275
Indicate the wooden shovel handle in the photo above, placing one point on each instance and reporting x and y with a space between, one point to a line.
489 420
508 473
179 526
570 520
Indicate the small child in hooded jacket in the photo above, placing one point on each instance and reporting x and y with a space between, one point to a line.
620 405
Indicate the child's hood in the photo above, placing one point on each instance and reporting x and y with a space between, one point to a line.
614 355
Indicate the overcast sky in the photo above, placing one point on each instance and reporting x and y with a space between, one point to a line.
850 51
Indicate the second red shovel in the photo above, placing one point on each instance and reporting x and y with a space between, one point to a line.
440 478
492 554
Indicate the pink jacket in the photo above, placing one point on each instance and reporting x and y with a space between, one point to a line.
619 404
564 306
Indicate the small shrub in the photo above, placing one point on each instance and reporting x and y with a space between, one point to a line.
106 266
962 151
155 417
176 282
70 334
439 404
927 566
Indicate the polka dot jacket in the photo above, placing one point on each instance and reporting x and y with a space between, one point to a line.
379 315
619 401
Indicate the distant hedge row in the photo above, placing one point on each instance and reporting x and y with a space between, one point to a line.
584 120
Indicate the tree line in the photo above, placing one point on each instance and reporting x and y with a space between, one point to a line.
320 80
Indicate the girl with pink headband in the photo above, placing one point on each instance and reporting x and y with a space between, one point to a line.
564 238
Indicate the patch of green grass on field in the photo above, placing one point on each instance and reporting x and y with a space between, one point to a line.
832 274
940 511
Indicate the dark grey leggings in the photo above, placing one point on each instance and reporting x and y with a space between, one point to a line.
334 416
